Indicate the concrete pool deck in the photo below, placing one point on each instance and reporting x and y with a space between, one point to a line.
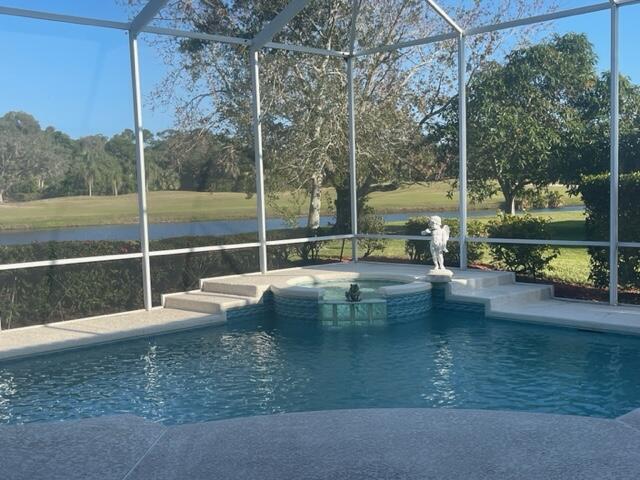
51 337
344 444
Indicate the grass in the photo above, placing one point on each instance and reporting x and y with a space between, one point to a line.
182 206
564 225
434 197
572 265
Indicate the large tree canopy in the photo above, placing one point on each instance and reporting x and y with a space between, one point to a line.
37 163
29 157
523 115
588 151
304 96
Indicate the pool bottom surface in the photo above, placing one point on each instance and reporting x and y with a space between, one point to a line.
266 366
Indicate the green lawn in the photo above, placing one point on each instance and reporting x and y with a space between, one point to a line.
181 206
572 265
434 197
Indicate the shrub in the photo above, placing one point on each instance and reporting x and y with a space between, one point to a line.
308 251
47 294
369 222
531 199
594 190
294 254
538 199
521 259
418 250
554 199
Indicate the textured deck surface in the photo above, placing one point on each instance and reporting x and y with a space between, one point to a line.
346 444
21 342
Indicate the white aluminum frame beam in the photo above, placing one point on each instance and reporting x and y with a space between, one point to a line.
69 261
386 236
302 49
291 241
56 17
540 18
445 16
140 170
163 253
535 241
355 9
407 44
614 108
254 61
462 150
145 15
277 24
353 178
172 32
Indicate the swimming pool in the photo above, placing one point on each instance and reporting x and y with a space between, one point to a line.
267 365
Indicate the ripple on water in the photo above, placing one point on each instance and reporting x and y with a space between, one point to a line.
269 366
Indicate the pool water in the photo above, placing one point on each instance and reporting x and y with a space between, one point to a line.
266 366
335 289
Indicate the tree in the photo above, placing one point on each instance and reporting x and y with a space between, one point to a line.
17 129
523 114
95 165
588 151
53 152
122 146
304 96
26 153
113 174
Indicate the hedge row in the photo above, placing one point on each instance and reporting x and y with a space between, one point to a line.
595 194
48 294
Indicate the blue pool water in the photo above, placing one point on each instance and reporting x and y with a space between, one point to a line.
266 366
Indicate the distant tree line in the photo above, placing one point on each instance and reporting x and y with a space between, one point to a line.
41 163
539 117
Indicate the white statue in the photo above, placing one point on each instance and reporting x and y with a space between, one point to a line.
438 243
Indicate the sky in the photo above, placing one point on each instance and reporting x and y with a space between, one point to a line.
78 78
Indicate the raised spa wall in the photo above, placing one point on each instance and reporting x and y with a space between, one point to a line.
393 303
402 302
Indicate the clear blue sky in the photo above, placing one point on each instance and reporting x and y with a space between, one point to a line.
78 79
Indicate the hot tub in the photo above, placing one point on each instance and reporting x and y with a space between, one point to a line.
383 300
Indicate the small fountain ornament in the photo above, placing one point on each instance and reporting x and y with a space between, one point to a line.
438 244
353 294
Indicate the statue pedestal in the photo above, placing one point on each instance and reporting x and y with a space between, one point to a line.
436 275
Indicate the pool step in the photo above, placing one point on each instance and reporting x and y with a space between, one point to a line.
496 291
586 316
231 288
499 278
206 302
496 297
